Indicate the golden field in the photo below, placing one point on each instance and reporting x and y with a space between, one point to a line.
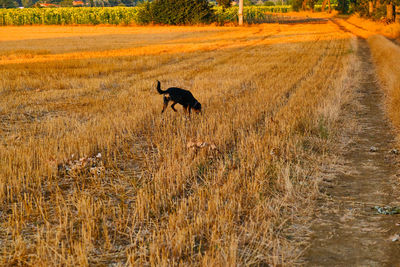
229 187
389 30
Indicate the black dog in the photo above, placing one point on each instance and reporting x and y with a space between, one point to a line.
179 96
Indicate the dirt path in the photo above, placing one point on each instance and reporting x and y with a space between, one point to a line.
346 230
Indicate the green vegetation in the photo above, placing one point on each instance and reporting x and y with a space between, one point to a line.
380 9
122 15
252 14
269 3
314 5
8 4
176 12
69 15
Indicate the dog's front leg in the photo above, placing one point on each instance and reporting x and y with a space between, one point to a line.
187 112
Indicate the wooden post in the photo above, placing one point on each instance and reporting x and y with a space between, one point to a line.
240 12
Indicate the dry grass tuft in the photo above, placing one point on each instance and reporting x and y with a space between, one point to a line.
219 189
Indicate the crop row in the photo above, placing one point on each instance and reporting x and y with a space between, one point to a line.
69 15
252 14
117 15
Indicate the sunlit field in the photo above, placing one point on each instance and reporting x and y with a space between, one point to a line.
91 172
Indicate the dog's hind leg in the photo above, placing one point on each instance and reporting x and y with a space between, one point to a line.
173 106
166 101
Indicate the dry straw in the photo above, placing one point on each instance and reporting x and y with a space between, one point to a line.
268 94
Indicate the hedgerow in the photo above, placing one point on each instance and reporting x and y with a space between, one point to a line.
176 12
251 14
129 16
69 16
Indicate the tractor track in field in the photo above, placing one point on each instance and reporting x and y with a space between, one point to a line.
347 230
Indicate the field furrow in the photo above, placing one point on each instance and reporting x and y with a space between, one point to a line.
153 196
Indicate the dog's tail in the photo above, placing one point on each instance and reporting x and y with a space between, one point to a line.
159 88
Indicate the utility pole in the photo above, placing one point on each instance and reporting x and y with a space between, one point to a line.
240 12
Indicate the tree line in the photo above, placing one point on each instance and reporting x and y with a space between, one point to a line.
375 9
68 3
128 3
178 10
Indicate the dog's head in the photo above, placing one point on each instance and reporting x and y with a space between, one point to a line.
197 107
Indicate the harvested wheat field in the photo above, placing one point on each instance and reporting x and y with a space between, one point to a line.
91 172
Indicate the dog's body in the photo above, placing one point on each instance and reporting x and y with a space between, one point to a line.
179 96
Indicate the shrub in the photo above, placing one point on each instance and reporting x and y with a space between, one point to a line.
176 12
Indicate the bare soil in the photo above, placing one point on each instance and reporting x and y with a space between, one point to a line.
347 230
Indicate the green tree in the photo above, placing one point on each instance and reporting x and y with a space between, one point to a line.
8 4
176 12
